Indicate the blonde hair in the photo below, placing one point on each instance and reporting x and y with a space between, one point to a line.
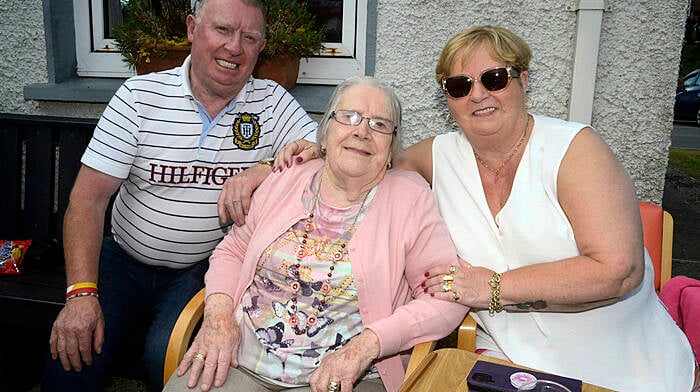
502 44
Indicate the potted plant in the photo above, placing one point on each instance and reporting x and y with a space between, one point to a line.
153 34
292 33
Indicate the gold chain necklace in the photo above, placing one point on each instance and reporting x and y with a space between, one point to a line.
496 172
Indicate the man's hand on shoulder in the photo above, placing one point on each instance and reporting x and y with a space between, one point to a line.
234 200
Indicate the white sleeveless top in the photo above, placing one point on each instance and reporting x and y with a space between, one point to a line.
631 345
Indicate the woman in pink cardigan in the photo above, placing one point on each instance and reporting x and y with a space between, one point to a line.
322 289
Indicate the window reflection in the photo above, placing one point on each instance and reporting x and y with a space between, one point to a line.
329 13
112 16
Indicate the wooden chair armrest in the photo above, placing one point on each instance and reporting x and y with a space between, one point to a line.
182 333
420 351
466 340
667 249
466 335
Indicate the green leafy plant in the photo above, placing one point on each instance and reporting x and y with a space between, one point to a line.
150 27
291 30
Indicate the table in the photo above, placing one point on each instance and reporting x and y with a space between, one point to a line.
447 369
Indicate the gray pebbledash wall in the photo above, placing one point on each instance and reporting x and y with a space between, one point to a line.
640 47
23 62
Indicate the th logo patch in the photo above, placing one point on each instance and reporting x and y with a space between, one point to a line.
246 131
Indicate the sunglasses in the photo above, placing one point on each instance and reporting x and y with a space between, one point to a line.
494 79
351 117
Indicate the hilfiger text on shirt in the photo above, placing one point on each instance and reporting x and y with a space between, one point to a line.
192 174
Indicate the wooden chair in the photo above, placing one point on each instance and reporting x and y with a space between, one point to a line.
658 239
657 225
181 335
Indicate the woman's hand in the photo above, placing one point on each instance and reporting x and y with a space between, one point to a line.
215 347
299 151
470 285
346 365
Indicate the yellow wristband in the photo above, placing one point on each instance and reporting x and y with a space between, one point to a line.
81 285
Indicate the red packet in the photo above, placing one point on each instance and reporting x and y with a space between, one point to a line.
12 255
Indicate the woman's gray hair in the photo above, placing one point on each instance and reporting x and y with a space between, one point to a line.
393 106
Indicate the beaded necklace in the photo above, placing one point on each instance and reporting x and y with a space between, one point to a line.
340 252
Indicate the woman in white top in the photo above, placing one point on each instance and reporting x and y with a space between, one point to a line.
547 225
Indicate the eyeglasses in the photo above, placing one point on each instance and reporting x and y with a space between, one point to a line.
351 117
494 79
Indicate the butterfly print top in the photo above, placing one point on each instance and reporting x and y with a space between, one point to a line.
286 352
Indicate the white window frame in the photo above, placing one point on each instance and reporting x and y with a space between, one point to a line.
97 56
104 60
341 60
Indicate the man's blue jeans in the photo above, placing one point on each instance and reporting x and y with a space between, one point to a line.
134 297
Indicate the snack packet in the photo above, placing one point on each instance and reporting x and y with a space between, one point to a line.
12 255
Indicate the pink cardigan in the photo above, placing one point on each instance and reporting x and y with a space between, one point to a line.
681 295
400 238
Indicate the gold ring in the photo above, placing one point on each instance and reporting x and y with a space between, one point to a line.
333 386
447 286
199 356
453 268
448 278
455 296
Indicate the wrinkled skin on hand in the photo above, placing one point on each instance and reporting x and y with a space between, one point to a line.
348 364
470 284
234 199
78 329
217 344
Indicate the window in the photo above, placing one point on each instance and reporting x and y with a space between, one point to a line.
344 56
344 53
95 50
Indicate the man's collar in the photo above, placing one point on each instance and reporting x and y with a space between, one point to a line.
185 77
187 84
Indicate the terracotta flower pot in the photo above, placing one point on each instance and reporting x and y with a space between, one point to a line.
283 69
174 57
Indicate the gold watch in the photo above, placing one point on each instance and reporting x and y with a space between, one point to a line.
267 161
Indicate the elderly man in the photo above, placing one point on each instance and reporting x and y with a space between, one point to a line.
169 143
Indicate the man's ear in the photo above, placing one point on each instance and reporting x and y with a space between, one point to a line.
191 24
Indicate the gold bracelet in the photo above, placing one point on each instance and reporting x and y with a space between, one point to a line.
267 161
495 283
